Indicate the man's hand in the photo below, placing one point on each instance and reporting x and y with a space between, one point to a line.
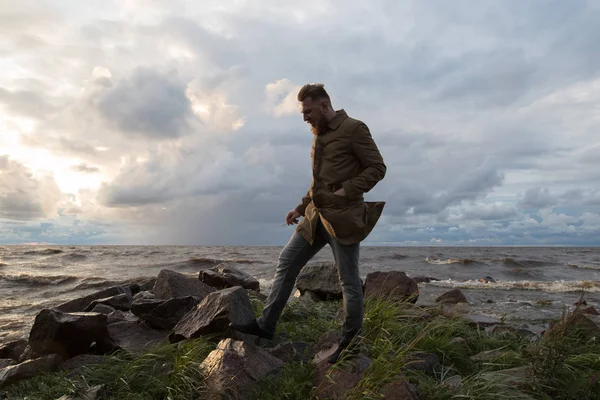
292 217
340 192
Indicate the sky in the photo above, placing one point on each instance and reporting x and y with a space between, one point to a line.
176 123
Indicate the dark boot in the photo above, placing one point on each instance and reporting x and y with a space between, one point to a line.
343 350
252 328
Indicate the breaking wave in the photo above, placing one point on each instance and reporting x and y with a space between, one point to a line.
584 266
556 286
43 252
38 280
437 261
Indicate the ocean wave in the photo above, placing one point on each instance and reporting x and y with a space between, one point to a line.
74 257
38 280
555 286
438 261
511 262
205 260
43 252
584 266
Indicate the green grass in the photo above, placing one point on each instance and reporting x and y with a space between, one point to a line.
564 363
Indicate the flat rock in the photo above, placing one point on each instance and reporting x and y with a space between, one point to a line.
321 279
134 337
69 334
332 382
293 351
120 316
225 276
480 320
119 302
169 313
13 350
170 284
142 306
214 313
83 360
82 303
490 355
234 369
144 295
102 309
454 296
392 285
29 369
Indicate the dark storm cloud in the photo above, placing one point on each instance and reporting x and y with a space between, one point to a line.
148 103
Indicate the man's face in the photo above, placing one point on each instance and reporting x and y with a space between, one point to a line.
314 113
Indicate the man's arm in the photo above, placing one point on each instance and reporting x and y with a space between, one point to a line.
305 202
370 158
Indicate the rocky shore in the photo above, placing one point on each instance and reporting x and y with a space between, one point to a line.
178 325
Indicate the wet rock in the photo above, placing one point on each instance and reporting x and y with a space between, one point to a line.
29 369
332 382
170 284
391 285
102 309
90 394
293 351
81 361
134 337
425 362
119 302
143 306
6 362
144 295
423 279
170 312
453 297
234 369
225 276
214 314
13 350
120 316
487 279
399 389
69 334
480 320
320 279
80 304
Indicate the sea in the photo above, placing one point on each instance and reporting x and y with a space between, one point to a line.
518 284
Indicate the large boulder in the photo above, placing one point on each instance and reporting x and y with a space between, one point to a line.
145 305
392 285
134 337
399 389
320 279
119 302
225 276
334 382
454 296
29 369
234 368
13 350
170 284
169 313
82 303
214 313
69 334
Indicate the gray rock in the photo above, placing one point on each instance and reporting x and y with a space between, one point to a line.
134 337
333 383
214 313
225 276
13 350
420 361
119 302
480 320
77 363
170 312
490 355
321 279
400 389
90 394
391 285
144 295
170 284
453 297
293 351
102 309
29 369
234 369
142 306
423 279
6 362
80 304
120 316
28 354
452 382
69 334
147 285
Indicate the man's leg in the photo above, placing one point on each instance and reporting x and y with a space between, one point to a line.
346 260
296 253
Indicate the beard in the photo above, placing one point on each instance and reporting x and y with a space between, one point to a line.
319 127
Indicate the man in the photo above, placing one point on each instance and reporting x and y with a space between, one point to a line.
346 163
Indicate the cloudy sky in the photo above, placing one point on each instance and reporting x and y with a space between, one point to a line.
155 122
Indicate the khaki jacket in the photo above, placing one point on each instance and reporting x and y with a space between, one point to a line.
345 156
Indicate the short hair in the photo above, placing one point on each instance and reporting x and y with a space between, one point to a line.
314 91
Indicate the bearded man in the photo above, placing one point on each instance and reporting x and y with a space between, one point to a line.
346 163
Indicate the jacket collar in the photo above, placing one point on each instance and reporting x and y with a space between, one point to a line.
335 122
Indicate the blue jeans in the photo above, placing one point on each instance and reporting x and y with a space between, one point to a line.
294 256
